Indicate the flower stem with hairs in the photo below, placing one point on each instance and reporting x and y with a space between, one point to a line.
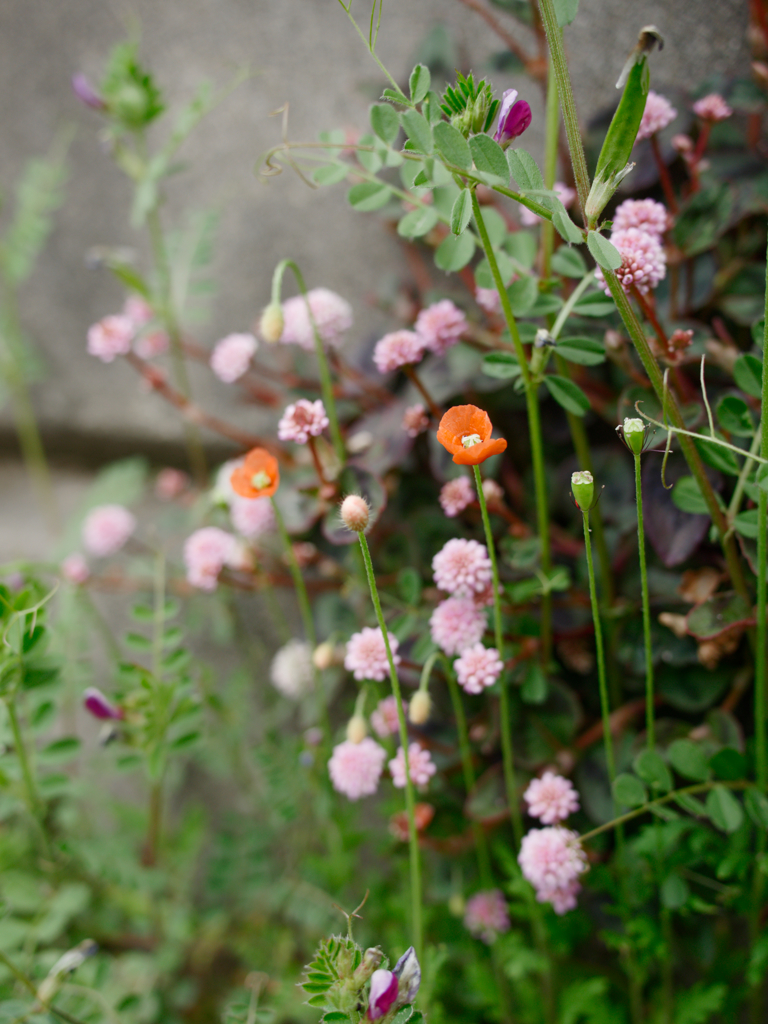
649 696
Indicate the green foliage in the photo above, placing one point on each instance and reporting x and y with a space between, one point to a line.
129 90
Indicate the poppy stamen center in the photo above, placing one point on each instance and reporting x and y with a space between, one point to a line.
470 440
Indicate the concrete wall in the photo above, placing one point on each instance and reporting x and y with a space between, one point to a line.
304 52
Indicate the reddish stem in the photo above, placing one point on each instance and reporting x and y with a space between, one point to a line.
316 459
434 408
666 181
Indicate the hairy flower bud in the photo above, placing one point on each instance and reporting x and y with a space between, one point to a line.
583 488
420 707
272 323
355 513
357 730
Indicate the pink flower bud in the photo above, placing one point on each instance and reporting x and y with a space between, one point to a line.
85 92
384 987
99 706
514 118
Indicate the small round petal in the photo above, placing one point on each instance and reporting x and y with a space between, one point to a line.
485 915
355 513
643 260
171 483
111 337
420 765
440 326
232 356
456 495
457 623
712 108
551 798
366 655
398 349
478 667
552 859
658 113
355 768
106 529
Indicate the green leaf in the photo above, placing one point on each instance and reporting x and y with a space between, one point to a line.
565 227
748 374
595 305
385 122
714 616
489 156
461 213
417 129
688 498
565 11
331 174
718 457
674 892
419 83
455 252
418 222
756 804
728 764
523 294
60 750
396 96
745 523
605 254
653 770
567 394
452 145
724 809
335 1016
137 642
629 791
403 1015
734 416
524 169
501 365
585 351
368 196
483 275
703 218
409 585
568 262
535 688
688 759
697 1004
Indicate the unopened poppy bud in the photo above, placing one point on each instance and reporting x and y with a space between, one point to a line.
583 488
357 730
634 435
355 513
322 656
407 970
383 994
272 323
420 707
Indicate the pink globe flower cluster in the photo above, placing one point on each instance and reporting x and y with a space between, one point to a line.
643 260
384 718
420 765
645 214
366 655
398 349
462 567
437 328
552 860
291 672
456 495
74 568
106 528
302 420
485 915
232 356
355 768
206 552
331 313
111 337
488 298
712 108
252 517
551 798
478 667
658 113
415 420
457 623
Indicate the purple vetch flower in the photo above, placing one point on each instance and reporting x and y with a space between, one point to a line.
384 988
407 970
514 118
99 705
85 92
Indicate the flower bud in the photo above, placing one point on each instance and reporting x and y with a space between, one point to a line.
323 655
583 488
514 118
86 93
355 513
99 706
420 707
357 730
383 994
634 435
407 970
371 960
272 323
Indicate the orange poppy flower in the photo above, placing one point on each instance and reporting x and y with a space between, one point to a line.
465 431
258 476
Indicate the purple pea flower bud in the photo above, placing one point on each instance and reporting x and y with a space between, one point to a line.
408 973
99 706
514 118
85 92
383 993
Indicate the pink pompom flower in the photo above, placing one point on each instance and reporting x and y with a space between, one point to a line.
712 108
456 495
291 671
400 348
645 214
643 260
415 420
551 798
658 113
75 569
232 355
106 529
302 420
332 314
366 655
462 567
384 719
488 299
150 344
206 552
478 667
171 483
457 623
355 768
421 767
111 337
552 859
440 326
252 517
486 916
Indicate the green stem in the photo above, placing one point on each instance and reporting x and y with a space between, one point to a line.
30 987
567 102
410 799
551 127
738 491
689 449
534 428
306 617
35 804
605 708
649 702
507 749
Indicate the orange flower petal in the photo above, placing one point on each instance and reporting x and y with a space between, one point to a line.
480 452
257 461
461 421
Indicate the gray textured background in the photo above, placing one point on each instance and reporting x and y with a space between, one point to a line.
304 52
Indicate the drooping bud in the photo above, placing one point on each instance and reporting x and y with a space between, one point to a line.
99 705
634 435
357 730
355 513
384 987
407 970
420 707
323 655
272 323
583 488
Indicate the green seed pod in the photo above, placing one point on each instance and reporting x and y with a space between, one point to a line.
583 489
634 435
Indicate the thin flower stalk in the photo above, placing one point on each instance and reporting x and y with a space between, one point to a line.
649 695
410 798
534 427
